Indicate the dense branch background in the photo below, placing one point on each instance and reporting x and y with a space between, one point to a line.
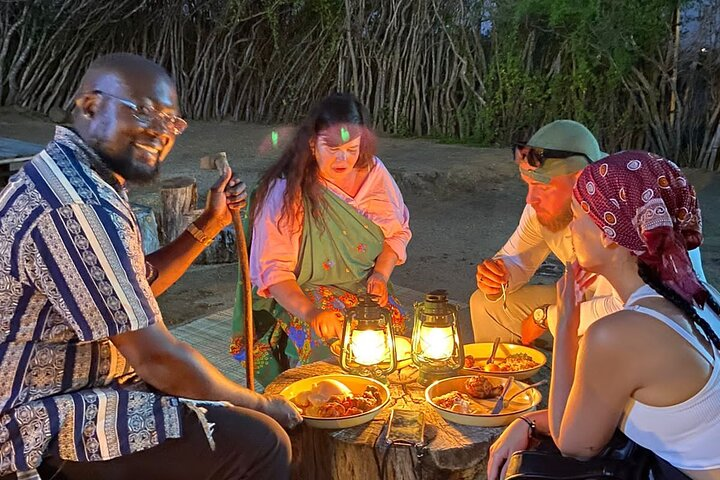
639 73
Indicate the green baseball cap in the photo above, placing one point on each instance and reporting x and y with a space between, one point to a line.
565 136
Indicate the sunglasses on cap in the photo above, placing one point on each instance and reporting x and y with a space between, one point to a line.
145 114
536 156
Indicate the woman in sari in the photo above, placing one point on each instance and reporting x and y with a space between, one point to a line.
652 369
328 222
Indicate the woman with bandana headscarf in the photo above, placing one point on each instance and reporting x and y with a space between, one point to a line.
652 369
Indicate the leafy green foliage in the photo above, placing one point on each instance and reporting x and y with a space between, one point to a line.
567 59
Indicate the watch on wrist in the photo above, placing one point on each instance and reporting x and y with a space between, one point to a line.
540 316
531 424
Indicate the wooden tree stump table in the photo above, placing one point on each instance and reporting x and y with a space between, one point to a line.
452 452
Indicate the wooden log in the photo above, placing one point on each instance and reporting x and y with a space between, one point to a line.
148 227
178 196
452 452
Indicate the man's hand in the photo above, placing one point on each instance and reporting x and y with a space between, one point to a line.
327 323
491 276
281 410
530 330
227 194
172 260
377 287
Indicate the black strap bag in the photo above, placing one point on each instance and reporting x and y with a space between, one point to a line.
622 459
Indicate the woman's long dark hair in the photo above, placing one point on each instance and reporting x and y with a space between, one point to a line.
298 166
651 278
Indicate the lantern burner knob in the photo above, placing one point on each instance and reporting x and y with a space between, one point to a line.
437 296
367 307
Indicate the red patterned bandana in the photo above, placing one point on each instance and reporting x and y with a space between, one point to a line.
644 203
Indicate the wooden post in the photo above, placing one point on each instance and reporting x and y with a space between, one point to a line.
178 196
244 274
219 161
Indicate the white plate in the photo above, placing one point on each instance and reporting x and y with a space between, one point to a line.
481 352
355 383
523 403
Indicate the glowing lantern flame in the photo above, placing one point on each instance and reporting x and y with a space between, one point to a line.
437 343
369 347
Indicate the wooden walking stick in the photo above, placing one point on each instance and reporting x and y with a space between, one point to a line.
219 162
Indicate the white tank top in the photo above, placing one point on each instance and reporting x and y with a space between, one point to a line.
686 435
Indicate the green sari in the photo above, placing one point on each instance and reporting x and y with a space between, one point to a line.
336 257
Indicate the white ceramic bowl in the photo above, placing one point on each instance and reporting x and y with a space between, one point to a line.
481 352
523 403
356 384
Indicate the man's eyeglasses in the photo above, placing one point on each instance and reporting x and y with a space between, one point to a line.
536 156
145 114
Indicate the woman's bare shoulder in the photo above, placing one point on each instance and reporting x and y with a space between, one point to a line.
619 331
613 345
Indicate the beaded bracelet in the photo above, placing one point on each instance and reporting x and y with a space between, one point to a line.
531 424
199 235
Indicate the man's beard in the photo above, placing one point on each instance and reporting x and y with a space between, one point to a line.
558 222
132 170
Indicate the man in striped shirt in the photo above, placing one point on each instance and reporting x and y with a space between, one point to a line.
91 381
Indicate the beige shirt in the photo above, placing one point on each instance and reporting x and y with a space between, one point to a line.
530 245
527 249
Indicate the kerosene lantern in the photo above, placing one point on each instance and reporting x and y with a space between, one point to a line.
436 347
368 341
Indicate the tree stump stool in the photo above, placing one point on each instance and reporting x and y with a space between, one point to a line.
451 452
148 227
177 196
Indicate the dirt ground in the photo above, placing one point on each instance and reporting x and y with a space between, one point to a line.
464 202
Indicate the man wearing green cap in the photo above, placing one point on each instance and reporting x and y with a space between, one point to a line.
505 305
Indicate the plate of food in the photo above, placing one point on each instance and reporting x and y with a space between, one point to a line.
337 401
469 400
517 360
403 351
